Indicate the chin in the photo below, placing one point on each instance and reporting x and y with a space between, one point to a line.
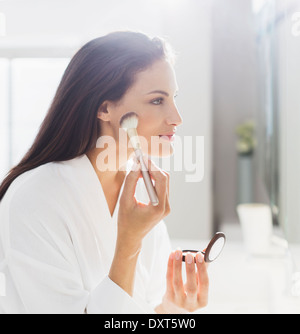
157 147
161 151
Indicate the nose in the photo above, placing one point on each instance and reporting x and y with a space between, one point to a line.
174 117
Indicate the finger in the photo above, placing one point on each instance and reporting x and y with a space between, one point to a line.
168 180
131 181
169 277
167 209
160 179
152 168
177 277
203 280
161 184
168 175
167 192
191 279
167 205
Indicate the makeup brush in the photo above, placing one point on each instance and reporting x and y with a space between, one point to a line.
129 123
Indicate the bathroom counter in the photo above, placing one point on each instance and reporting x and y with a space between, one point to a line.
240 283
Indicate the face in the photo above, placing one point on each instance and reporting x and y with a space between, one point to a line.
152 98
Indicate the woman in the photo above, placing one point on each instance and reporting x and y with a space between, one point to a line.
74 239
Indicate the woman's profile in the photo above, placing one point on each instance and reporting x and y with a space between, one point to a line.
73 236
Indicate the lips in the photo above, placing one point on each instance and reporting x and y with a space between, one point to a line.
168 136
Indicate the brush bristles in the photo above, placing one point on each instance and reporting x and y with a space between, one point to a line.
129 121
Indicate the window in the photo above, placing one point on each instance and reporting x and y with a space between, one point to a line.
4 116
27 87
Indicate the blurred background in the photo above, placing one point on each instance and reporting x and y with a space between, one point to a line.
238 71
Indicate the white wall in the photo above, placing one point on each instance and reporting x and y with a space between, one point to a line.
64 25
189 30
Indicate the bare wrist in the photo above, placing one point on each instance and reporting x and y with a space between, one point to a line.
127 250
122 270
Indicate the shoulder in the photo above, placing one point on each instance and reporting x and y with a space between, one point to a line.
35 185
40 187
38 203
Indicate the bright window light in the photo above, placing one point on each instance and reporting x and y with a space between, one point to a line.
2 24
4 117
257 5
34 82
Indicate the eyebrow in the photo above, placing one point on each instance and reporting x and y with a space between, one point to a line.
161 92
158 92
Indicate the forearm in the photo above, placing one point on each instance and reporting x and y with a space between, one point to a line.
123 267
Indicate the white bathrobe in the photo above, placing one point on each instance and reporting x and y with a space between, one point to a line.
57 241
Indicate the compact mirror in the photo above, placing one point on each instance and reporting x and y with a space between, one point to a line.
213 250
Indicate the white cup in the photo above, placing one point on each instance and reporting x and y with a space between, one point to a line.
257 227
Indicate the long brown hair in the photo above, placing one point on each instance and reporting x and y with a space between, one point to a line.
102 70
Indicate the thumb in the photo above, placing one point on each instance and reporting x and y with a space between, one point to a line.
131 180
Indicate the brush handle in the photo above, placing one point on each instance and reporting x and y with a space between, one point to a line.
147 179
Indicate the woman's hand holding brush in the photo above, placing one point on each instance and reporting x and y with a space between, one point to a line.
135 220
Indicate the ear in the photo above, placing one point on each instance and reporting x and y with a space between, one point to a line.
103 112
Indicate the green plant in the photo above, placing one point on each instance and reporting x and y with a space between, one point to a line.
246 138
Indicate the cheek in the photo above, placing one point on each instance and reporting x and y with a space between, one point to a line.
149 124
146 129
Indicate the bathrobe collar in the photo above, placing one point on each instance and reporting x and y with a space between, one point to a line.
92 187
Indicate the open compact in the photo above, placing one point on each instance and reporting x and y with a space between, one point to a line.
212 251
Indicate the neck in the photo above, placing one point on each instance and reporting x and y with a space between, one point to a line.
111 154
109 166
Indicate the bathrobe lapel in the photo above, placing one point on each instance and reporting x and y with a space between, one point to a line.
103 224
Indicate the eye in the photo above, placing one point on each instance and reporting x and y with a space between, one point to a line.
157 101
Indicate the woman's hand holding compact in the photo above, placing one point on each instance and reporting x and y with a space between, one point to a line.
188 297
